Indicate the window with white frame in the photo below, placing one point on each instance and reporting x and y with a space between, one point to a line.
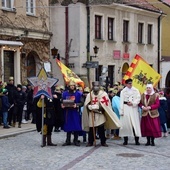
98 27
140 32
30 7
125 30
150 33
110 28
7 4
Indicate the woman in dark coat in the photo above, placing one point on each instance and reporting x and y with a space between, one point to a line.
163 112
167 95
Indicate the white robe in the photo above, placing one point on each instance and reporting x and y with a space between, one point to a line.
131 117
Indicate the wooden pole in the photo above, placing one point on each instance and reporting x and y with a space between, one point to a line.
42 131
92 113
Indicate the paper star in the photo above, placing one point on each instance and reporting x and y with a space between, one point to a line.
42 84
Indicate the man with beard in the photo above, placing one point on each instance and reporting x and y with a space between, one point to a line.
98 114
71 101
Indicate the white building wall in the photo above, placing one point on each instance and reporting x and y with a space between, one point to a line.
105 55
58 39
78 34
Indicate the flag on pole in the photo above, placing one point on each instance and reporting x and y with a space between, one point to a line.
69 75
142 74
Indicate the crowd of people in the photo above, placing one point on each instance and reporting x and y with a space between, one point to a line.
95 113
16 104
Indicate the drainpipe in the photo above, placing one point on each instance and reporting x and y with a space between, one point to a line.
88 36
159 40
67 37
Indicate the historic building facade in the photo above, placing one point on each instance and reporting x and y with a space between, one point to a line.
24 38
120 31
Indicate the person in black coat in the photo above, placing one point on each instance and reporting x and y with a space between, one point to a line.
163 112
19 101
49 118
5 107
30 105
57 96
11 90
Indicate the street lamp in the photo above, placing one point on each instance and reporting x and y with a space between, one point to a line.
92 64
96 49
54 53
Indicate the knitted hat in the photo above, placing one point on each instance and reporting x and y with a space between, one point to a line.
62 87
11 78
57 88
19 86
86 90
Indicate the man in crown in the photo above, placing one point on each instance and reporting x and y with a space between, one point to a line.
72 100
98 114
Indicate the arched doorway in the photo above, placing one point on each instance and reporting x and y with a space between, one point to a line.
31 64
124 69
167 83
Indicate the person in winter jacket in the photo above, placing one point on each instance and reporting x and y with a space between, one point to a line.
5 107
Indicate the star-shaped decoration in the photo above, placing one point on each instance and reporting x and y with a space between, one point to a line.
42 84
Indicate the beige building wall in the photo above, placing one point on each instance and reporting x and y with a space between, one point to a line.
32 30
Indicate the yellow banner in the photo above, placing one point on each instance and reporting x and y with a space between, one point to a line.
69 75
142 74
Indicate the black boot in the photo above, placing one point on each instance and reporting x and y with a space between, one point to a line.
49 142
76 143
125 140
44 141
137 141
152 141
68 139
148 141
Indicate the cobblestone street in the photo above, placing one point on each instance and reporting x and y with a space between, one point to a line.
24 152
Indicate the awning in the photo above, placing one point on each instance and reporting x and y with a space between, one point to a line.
11 43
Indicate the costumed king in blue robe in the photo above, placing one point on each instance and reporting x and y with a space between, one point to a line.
72 118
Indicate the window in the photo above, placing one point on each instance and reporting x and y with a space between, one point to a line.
8 64
98 25
7 3
125 30
30 7
140 32
31 65
110 28
149 34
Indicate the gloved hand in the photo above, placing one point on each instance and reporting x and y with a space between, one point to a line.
93 107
